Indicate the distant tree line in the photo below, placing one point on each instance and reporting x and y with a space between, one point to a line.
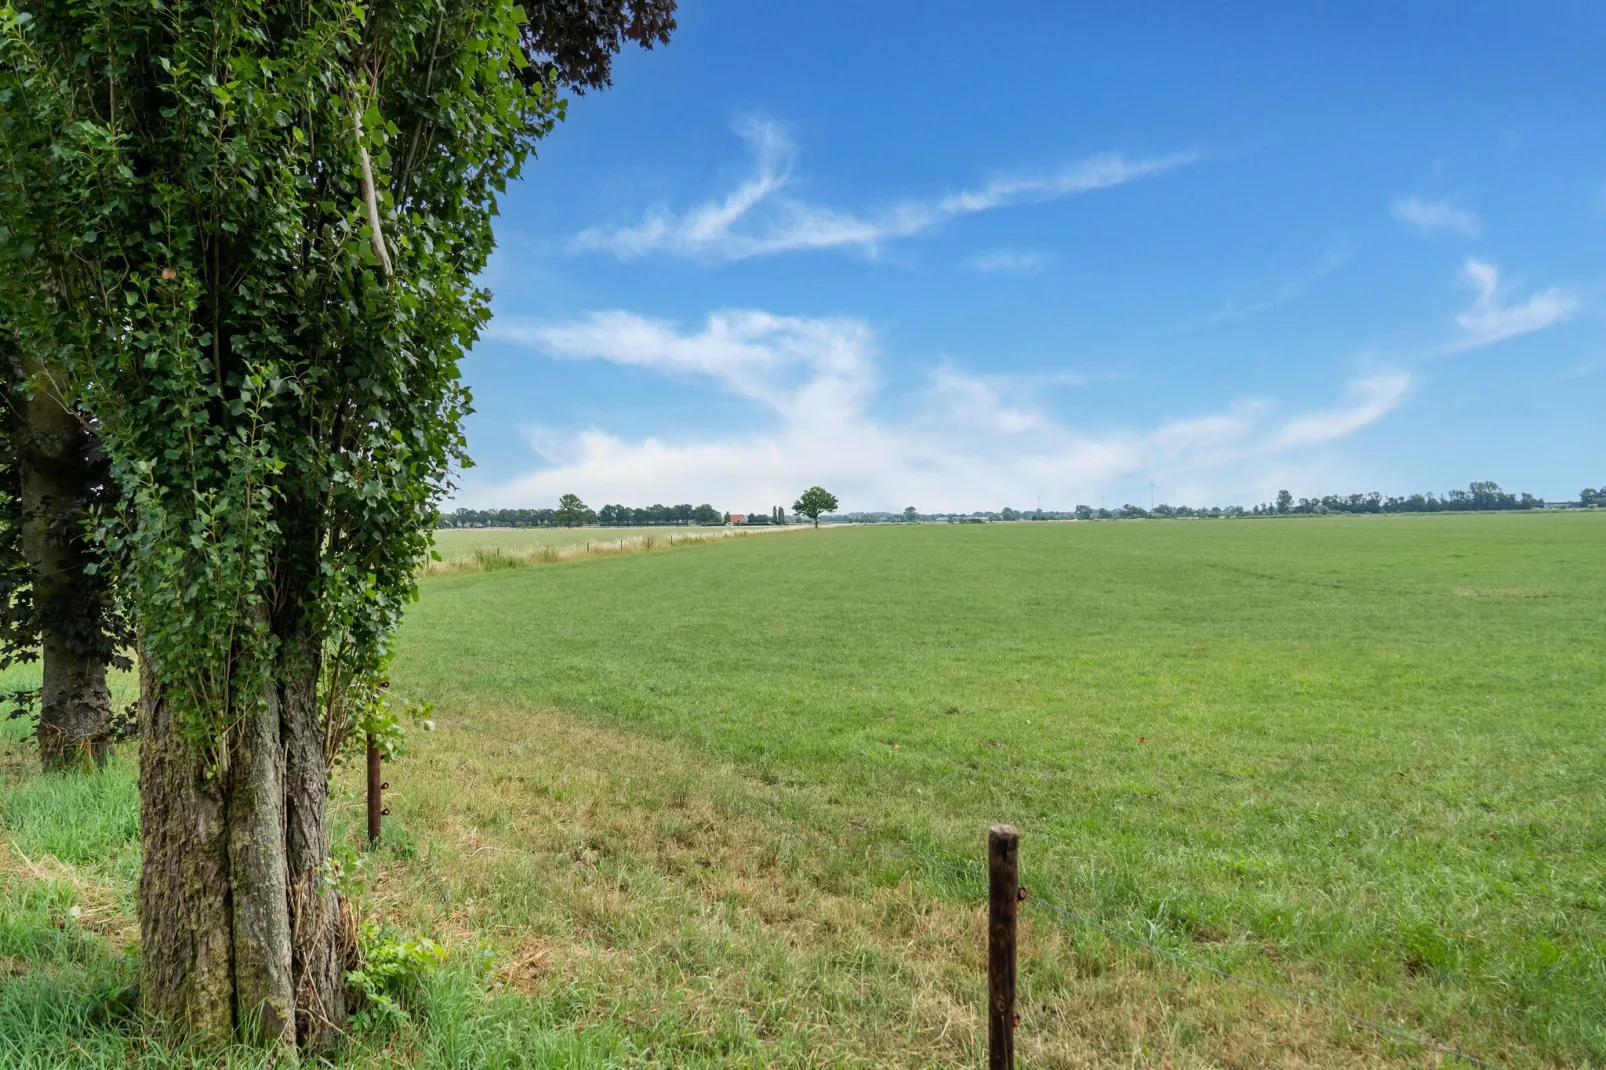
1486 496
776 516
571 512
499 518
624 516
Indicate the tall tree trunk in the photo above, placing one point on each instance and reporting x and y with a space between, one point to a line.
75 706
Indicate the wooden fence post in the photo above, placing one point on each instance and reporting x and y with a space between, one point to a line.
374 788
1003 893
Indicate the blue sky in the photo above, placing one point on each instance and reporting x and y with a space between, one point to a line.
963 255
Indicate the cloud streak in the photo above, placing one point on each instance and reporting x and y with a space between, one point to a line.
1433 217
762 217
961 443
1010 262
1491 320
1291 288
1369 399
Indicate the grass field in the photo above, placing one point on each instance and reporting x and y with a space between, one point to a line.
713 807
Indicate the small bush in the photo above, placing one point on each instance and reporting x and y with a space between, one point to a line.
392 974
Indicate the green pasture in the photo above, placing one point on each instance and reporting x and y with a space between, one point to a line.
1364 752
723 806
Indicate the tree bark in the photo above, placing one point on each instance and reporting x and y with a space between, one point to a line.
215 925
258 880
74 705
319 944
186 943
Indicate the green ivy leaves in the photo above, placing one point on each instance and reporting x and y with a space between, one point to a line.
186 230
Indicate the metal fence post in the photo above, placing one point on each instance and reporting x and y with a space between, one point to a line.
375 786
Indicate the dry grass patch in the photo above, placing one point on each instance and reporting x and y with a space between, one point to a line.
94 906
714 916
493 558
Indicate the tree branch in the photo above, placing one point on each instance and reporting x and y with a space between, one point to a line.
377 234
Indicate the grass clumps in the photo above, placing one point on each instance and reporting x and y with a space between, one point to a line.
69 966
525 548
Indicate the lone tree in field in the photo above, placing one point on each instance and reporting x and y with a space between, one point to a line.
572 511
245 237
815 500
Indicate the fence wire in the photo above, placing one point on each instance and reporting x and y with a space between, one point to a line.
975 876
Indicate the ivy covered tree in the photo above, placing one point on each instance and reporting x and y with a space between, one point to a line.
243 238
56 591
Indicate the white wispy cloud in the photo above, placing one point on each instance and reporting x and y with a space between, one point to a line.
761 217
1431 217
1290 289
1369 399
1583 368
1010 262
960 400
804 369
1490 319
963 442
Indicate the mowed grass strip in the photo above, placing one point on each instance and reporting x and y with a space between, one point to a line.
1299 750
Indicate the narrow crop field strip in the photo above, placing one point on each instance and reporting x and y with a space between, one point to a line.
453 542
494 550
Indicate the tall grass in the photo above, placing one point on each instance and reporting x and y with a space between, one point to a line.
496 558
